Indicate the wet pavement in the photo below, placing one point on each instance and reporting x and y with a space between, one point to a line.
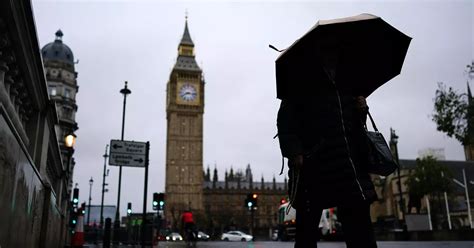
268 244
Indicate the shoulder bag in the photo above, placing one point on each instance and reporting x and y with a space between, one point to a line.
380 158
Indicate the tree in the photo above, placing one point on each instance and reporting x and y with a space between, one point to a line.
429 177
433 179
451 113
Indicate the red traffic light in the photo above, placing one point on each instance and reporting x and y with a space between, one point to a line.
282 201
254 196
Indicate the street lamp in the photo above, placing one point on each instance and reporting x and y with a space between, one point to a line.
394 143
103 187
125 91
91 181
69 142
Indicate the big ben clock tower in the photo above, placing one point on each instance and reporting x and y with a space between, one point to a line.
184 114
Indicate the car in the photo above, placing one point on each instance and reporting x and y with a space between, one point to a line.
236 236
174 237
202 236
275 235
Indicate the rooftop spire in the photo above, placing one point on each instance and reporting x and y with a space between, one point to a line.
186 39
469 95
59 35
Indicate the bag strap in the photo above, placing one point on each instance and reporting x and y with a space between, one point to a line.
373 122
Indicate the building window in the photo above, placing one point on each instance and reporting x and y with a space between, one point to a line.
53 91
67 93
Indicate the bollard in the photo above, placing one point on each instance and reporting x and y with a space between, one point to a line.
108 224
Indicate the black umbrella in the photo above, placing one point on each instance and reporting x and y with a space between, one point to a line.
360 53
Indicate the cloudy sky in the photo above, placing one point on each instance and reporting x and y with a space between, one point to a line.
136 41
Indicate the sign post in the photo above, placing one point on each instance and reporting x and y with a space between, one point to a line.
132 154
144 222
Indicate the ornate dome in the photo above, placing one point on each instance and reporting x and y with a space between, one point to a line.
57 50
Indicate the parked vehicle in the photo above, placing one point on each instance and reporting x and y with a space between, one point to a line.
236 236
202 236
174 237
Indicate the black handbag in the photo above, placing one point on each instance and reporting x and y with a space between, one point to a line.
380 158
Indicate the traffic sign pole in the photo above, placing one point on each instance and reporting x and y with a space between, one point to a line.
145 193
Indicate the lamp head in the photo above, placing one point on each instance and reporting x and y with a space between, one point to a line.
70 140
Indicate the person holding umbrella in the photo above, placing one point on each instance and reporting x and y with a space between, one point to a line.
323 80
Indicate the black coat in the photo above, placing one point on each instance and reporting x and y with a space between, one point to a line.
327 130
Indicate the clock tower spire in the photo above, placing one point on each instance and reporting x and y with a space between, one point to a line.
184 137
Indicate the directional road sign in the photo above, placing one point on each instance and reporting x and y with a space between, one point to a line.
127 153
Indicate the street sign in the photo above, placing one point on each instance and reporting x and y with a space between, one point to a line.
127 147
127 153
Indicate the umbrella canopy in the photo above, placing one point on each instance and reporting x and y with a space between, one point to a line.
360 53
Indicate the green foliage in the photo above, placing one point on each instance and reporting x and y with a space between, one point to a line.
427 178
451 113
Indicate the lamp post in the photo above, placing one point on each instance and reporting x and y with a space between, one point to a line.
394 143
103 188
69 142
125 91
91 181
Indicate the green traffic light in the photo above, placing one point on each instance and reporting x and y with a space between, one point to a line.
74 222
249 204
162 203
75 200
129 211
155 203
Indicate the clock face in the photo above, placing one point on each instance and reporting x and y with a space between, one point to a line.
188 92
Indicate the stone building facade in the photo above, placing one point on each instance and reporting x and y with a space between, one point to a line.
469 148
184 114
395 201
224 201
61 76
33 177
216 204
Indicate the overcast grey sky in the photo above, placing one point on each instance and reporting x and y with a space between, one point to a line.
137 41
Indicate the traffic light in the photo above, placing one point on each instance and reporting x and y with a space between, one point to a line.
83 208
129 208
255 200
282 201
155 201
75 197
161 201
72 219
251 201
158 201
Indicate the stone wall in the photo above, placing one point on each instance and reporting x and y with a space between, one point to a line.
21 193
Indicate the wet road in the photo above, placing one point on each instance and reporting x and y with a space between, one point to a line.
267 244
387 244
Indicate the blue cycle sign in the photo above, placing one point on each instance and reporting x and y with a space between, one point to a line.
127 153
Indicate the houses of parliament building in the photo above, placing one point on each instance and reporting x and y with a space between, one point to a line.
215 203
